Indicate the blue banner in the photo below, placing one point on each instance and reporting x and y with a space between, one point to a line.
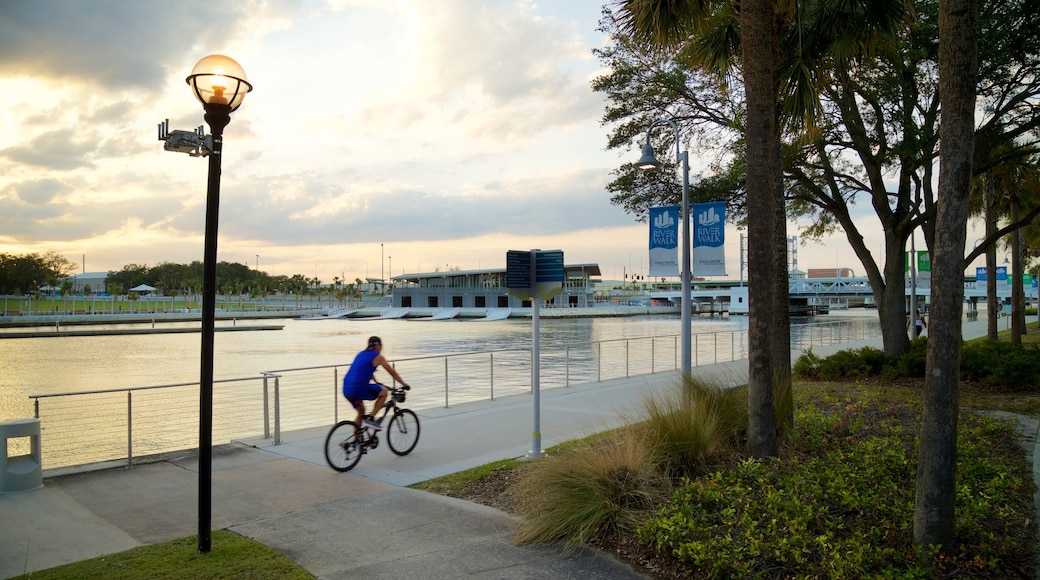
664 241
709 238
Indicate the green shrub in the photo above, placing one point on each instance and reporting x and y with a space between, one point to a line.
1002 363
844 508
603 490
912 364
807 366
999 363
875 360
843 364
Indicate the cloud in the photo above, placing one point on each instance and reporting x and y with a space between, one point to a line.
492 70
317 214
40 192
115 44
58 150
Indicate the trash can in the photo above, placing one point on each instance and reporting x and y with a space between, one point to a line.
22 472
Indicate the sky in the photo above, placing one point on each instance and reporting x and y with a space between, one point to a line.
382 137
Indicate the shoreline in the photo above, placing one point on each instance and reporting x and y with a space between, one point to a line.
414 314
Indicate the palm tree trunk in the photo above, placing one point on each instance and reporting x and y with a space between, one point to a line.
1018 296
935 494
760 45
991 261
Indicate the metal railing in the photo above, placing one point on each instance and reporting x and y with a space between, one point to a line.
127 424
135 422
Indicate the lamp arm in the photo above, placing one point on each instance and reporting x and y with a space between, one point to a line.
675 129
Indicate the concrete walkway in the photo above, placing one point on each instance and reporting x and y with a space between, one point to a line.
363 523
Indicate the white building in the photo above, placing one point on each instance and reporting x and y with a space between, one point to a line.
487 289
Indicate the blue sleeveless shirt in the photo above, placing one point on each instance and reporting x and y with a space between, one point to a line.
360 372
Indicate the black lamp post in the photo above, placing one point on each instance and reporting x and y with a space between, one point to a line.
220 84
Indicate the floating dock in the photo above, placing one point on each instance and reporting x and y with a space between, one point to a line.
123 331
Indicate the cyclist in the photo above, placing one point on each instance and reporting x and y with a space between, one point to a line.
359 387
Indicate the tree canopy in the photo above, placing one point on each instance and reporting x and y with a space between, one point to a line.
861 157
27 273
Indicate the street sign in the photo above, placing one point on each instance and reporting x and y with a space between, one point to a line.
534 274
518 273
548 275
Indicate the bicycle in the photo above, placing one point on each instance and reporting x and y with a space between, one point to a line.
347 442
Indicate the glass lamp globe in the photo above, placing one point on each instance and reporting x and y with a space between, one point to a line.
219 80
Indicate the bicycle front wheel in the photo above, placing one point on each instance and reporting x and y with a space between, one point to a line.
403 432
343 446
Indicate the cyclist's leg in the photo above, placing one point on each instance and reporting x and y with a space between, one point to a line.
359 407
380 401
368 392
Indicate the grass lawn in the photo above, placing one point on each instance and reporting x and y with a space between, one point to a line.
230 556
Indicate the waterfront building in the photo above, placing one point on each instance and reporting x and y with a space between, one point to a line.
95 280
487 289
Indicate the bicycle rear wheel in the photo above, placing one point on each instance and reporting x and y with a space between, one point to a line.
403 432
343 446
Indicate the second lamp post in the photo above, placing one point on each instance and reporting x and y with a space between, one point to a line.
649 161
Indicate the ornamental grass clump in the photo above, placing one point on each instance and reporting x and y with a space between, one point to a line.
686 427
603 491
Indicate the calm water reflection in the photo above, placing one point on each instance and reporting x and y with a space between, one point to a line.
69 364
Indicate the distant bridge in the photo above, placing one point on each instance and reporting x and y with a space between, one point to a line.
817 294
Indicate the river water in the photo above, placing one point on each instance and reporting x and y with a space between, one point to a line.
35 366
39 366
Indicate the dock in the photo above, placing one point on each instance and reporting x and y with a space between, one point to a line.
125 331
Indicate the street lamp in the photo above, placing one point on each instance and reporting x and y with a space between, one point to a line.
220 84
649 161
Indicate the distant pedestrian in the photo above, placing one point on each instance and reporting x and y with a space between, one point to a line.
919 324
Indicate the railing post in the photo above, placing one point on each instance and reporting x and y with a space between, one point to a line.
599 362
567 376
335 395
277 412
267 411
129 429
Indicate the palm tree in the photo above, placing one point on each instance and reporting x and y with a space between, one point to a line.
667 24
935 493
1008 189
781 50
